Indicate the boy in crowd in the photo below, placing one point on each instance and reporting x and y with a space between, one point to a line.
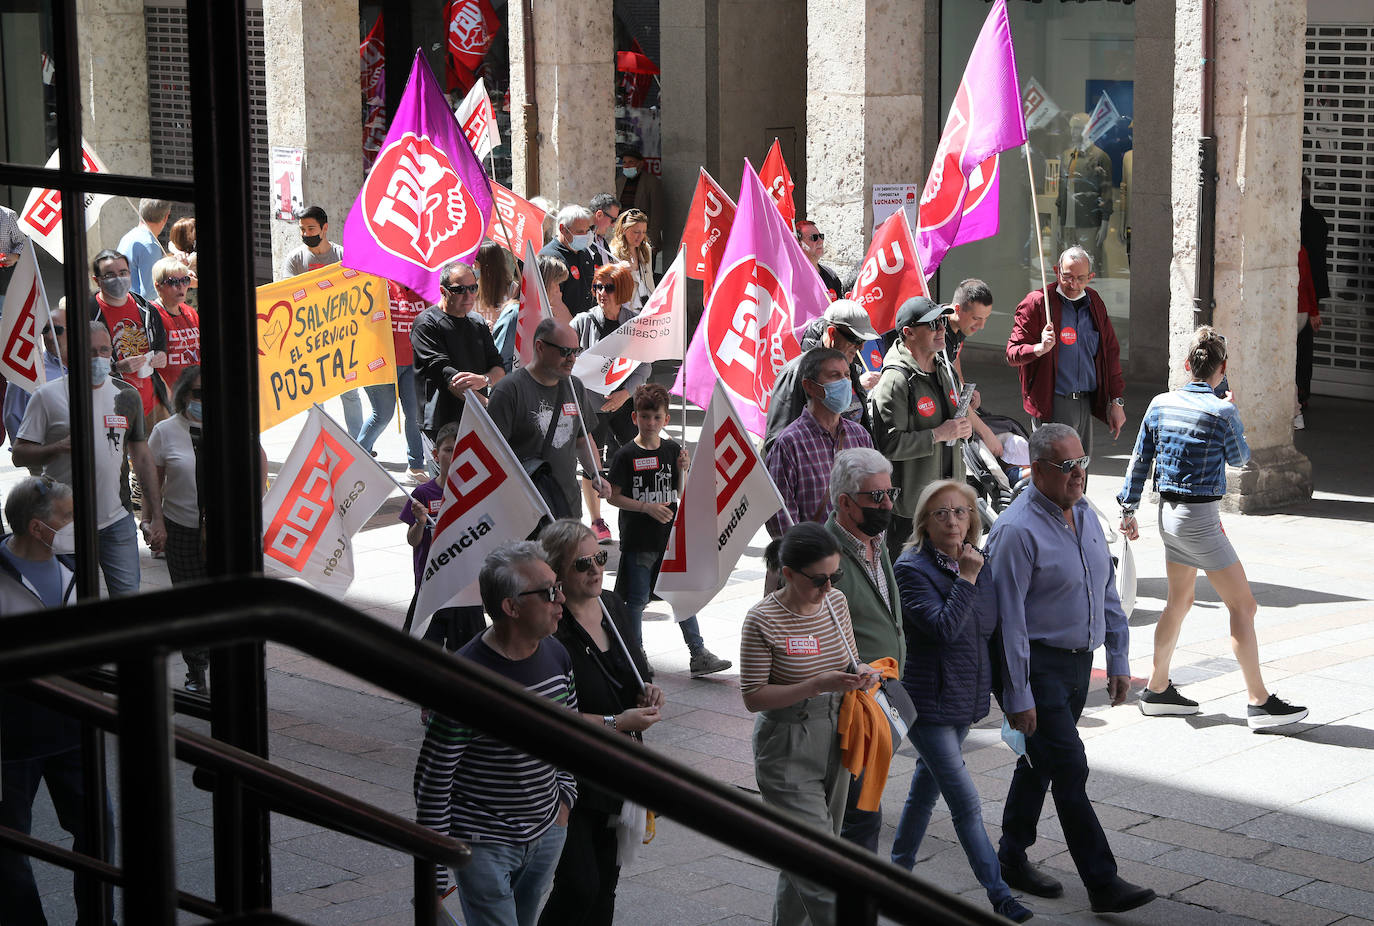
646 479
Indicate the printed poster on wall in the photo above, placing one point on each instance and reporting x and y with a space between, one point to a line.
288 193
889 197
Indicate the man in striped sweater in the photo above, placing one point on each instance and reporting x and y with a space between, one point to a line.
510 807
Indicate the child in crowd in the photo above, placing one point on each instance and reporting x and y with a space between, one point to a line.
451 627
646 478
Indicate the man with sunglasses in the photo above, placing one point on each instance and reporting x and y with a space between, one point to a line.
54 365
1057 603
511 808
913 408
454 353
812 241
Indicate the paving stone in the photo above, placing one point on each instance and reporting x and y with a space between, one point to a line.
336 739
1175 803
716 722
344 891
1238 872
737 899
1261 908
675 880
1314 835
1204 838
1319 867
1336 897
361 910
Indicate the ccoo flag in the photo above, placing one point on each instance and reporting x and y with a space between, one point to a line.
425 201
959 202
478 120
25 315
1102 120
41 217
708 539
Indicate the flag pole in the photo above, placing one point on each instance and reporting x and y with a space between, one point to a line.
683 361
615 631
1035 221
368 454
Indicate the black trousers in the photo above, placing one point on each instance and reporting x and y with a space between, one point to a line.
584 884
1059 682
1305 336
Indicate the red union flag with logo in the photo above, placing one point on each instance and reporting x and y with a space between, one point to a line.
41 217
891 273
478 120
515 221
959 203
425 201
766 288
777 180
472 26
707 539
326 491
708 228
488 500
656 333
534 307
25 315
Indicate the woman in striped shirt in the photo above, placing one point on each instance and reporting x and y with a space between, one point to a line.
796 663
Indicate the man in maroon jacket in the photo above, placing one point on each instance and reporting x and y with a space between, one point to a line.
1070 362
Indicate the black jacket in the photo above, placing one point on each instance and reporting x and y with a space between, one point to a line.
789 398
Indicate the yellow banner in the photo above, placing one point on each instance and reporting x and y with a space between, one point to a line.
319 335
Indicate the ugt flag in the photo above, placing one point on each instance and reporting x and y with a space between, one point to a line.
488 500
41 217
425 201
478 120
326 491
708 228
765 288
727 498
959 202
515 221
25 315
891 273
777 180
656 333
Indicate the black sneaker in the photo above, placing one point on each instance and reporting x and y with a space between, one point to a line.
1275 712
1166 702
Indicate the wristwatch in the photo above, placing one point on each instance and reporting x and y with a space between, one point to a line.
1119 401
609 721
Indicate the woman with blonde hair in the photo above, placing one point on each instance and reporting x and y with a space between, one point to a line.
949 611
630 245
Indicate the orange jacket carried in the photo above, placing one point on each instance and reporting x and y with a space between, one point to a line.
866 745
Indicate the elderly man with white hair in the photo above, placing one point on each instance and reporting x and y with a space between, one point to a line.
1068 355
572 246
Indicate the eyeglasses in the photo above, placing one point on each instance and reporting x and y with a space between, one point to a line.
957 513
564 352
1068 465
604 287
584 563
111 277
1080 280
176 281
547 594
460 289
877 495
45 484
821 580
815 236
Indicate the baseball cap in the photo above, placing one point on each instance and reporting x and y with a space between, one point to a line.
849 314
919 309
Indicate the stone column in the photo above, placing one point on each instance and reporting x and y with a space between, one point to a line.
574 134
866 93
314 102
1258 116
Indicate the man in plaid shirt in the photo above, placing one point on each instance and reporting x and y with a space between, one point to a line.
801 458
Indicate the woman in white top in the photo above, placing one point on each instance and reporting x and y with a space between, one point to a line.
630 245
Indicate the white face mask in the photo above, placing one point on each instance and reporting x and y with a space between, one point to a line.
63 539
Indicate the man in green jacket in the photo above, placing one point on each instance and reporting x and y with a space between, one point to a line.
862 494
913 408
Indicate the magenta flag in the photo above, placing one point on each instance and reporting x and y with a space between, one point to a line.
425 201
959 202
765 287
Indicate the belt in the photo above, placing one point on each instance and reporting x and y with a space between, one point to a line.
1078 395
1059 649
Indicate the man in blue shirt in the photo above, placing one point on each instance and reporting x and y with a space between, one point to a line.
141 246
1056 593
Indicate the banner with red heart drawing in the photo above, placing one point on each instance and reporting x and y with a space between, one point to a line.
321 334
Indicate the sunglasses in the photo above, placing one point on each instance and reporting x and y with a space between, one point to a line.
545 594
848 335
195 392
818 236
957 513
877 495
1068 465
176 281
584 563
935 324
54 329
460 289
604 287
564 352
821 580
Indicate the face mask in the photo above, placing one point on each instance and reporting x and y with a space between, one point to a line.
116 288
193 410
838 396
100 370
312 241
63 539
581 242
630 172
875 520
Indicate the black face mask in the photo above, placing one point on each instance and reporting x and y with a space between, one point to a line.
312 241
875 520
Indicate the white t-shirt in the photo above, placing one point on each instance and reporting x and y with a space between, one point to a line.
170 444
117 419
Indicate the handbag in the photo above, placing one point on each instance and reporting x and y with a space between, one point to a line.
891 695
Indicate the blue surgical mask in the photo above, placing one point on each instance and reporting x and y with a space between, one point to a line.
581 242
839 395
193 410
630 172
100 370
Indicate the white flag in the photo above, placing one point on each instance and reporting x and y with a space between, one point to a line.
1036 105
21 324
1104 118
708 539
326 491
488 500
656 333
42 214
534 307
478 120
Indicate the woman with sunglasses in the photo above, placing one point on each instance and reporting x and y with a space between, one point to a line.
795 667
181 322
950 613
630 245
609 693
614 289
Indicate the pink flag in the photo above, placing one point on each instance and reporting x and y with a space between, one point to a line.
959 202
534 307
764 289
425 201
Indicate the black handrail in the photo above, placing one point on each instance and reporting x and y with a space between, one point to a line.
256 608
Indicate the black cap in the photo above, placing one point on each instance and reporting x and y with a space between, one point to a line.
919 309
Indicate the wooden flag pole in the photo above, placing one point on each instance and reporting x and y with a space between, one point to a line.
1035 219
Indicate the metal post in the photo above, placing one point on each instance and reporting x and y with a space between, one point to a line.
145 791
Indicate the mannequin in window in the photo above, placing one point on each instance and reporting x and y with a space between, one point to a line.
1085 194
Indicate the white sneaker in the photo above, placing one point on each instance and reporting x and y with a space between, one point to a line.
1298 423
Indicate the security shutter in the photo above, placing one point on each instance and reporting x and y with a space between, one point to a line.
1338 156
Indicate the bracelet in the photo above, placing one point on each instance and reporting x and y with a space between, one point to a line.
609 721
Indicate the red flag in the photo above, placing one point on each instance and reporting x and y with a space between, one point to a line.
515 222
472 26
708 227
637 72
534 307
373 55
777 180
891 273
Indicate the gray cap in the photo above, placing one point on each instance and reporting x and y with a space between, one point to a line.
919 309
851 315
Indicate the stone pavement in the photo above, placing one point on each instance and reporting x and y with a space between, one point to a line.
1227 825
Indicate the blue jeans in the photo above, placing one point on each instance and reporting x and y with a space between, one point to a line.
634 580
353 411
941 770
118 550
382 397
503 885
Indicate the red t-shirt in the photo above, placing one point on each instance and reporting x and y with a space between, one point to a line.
406 305
130 339
183 342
